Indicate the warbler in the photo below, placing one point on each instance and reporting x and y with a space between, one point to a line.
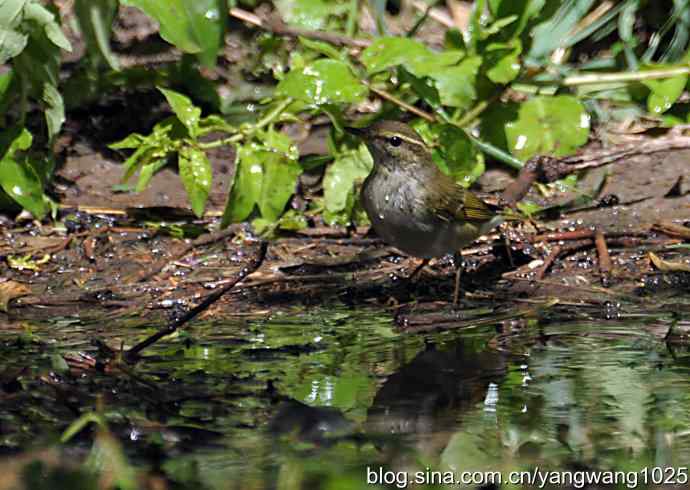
411 204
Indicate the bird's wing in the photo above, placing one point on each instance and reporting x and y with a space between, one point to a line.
457 203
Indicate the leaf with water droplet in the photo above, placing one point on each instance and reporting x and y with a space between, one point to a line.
186 112
194 26
324 81
664 93
19 179
547 125
196 175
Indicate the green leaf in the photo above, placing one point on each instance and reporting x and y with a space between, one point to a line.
324 81
387 52
457 84
503 60
280 179
246 186
521 9
196 175
459 158
348 168
664 93
187 113
307 14
44 18
11 12
265 176
323 48
551 34
11 44
19 180
54 109
95 19
148 170
548 125
194 26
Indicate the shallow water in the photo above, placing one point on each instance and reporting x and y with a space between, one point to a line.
335 398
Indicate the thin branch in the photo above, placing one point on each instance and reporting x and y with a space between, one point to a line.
132 354
276 26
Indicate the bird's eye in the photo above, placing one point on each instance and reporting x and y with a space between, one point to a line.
395 141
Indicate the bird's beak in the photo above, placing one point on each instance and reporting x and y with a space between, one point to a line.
361 132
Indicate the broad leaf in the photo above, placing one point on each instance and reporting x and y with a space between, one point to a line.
196 175
307 14
503 61
19 180
324 81
194 26
548 125
266 176
457 84
387 52
186 112
664 93
459 158
348 168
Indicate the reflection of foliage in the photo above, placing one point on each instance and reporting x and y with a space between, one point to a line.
536 65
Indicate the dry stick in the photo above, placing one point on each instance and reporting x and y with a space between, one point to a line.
202 240
254 264
276 26
602 253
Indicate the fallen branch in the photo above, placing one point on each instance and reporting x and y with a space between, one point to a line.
132 354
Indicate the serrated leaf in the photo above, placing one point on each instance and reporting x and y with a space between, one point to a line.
196 175
324 81
187 113
664 93
339 181
548 125
194 26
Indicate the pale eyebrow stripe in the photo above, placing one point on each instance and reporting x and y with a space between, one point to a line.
403 137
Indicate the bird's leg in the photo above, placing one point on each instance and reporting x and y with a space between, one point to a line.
457 260
417 270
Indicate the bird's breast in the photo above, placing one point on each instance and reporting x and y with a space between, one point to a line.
400 216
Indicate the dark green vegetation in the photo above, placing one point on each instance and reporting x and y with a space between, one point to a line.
531 75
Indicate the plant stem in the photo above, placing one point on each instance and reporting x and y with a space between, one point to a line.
595 78
260 124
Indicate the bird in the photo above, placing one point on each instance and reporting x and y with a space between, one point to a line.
412 204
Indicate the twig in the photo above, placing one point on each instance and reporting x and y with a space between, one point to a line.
604 257
132 354
202 240
276 26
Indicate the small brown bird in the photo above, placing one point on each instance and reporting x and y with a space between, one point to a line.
414 206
